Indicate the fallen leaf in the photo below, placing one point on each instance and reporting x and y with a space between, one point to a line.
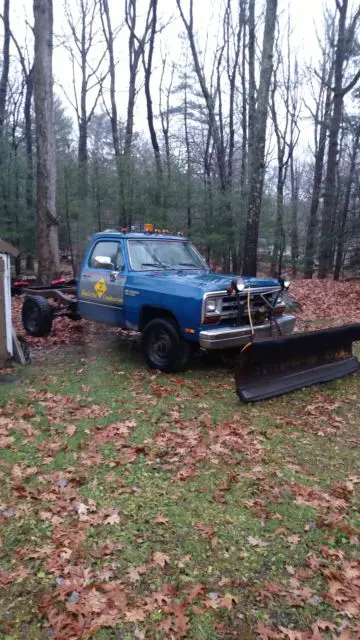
113 518
70 429
135 572
256 542
205 529
160 519
161 559
290 570
216 602
82 510
135 615
292 634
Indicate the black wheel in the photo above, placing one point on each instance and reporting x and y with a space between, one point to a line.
37 316
163 347
75 317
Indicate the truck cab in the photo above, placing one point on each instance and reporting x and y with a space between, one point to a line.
159 284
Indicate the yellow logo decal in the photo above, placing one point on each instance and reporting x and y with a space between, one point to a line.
100 287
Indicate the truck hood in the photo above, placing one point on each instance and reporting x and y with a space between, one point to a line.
205 281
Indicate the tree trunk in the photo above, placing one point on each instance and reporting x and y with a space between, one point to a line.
257 155
244 111
316 188
208 97
3 95
136 50
29 144
345 209
252 84
332 158
209 214
109 37
294 180
67 216
188 158
147 62
5 68
47 224
279 227
28 74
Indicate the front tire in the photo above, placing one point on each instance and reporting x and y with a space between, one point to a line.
37 316
163 347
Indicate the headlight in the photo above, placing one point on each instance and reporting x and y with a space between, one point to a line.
285 280
211 306
212 310
238 285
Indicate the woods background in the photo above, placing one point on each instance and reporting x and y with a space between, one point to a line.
209 119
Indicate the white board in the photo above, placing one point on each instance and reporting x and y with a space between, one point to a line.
7 289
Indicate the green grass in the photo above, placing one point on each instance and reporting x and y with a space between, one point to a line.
223 477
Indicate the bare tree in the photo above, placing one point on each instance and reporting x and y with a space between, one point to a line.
320 116
345 35
136 48
220 106
207 94
47 223
286 87
147 59
257 154
88 76
3 92
110 35
5 65
164 112
245 111
294 205
354 150
252 83
27 68
84 33
188 155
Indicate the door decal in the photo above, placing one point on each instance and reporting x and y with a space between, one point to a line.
104 292
100 287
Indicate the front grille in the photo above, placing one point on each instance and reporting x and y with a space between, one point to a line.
229 307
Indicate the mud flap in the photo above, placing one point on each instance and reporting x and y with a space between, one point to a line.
275 366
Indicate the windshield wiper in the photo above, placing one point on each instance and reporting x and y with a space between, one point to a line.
187 264
154 264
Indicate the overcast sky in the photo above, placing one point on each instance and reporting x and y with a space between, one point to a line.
306 16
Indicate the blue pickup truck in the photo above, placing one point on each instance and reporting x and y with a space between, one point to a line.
159 284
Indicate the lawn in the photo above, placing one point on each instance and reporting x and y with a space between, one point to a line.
135 505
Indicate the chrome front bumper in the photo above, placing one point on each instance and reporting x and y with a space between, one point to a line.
227 337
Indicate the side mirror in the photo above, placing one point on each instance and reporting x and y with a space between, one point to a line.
104 261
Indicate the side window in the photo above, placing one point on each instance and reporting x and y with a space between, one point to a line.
112 251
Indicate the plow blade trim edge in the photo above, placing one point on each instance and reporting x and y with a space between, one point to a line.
270 368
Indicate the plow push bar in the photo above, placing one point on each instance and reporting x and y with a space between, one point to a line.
275 366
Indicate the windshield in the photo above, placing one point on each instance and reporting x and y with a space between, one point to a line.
146 255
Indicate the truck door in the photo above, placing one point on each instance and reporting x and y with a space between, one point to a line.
102 282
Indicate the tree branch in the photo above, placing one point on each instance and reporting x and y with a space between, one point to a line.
351 84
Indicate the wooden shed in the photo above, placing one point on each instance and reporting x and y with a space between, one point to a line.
7 251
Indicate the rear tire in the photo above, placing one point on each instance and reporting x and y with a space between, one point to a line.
37 316
163 347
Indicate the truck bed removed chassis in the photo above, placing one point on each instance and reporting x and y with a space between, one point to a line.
65 298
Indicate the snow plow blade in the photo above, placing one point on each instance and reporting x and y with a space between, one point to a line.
274 366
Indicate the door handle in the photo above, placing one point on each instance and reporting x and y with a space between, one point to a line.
86 275
113 275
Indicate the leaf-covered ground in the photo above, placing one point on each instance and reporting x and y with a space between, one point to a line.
135 505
